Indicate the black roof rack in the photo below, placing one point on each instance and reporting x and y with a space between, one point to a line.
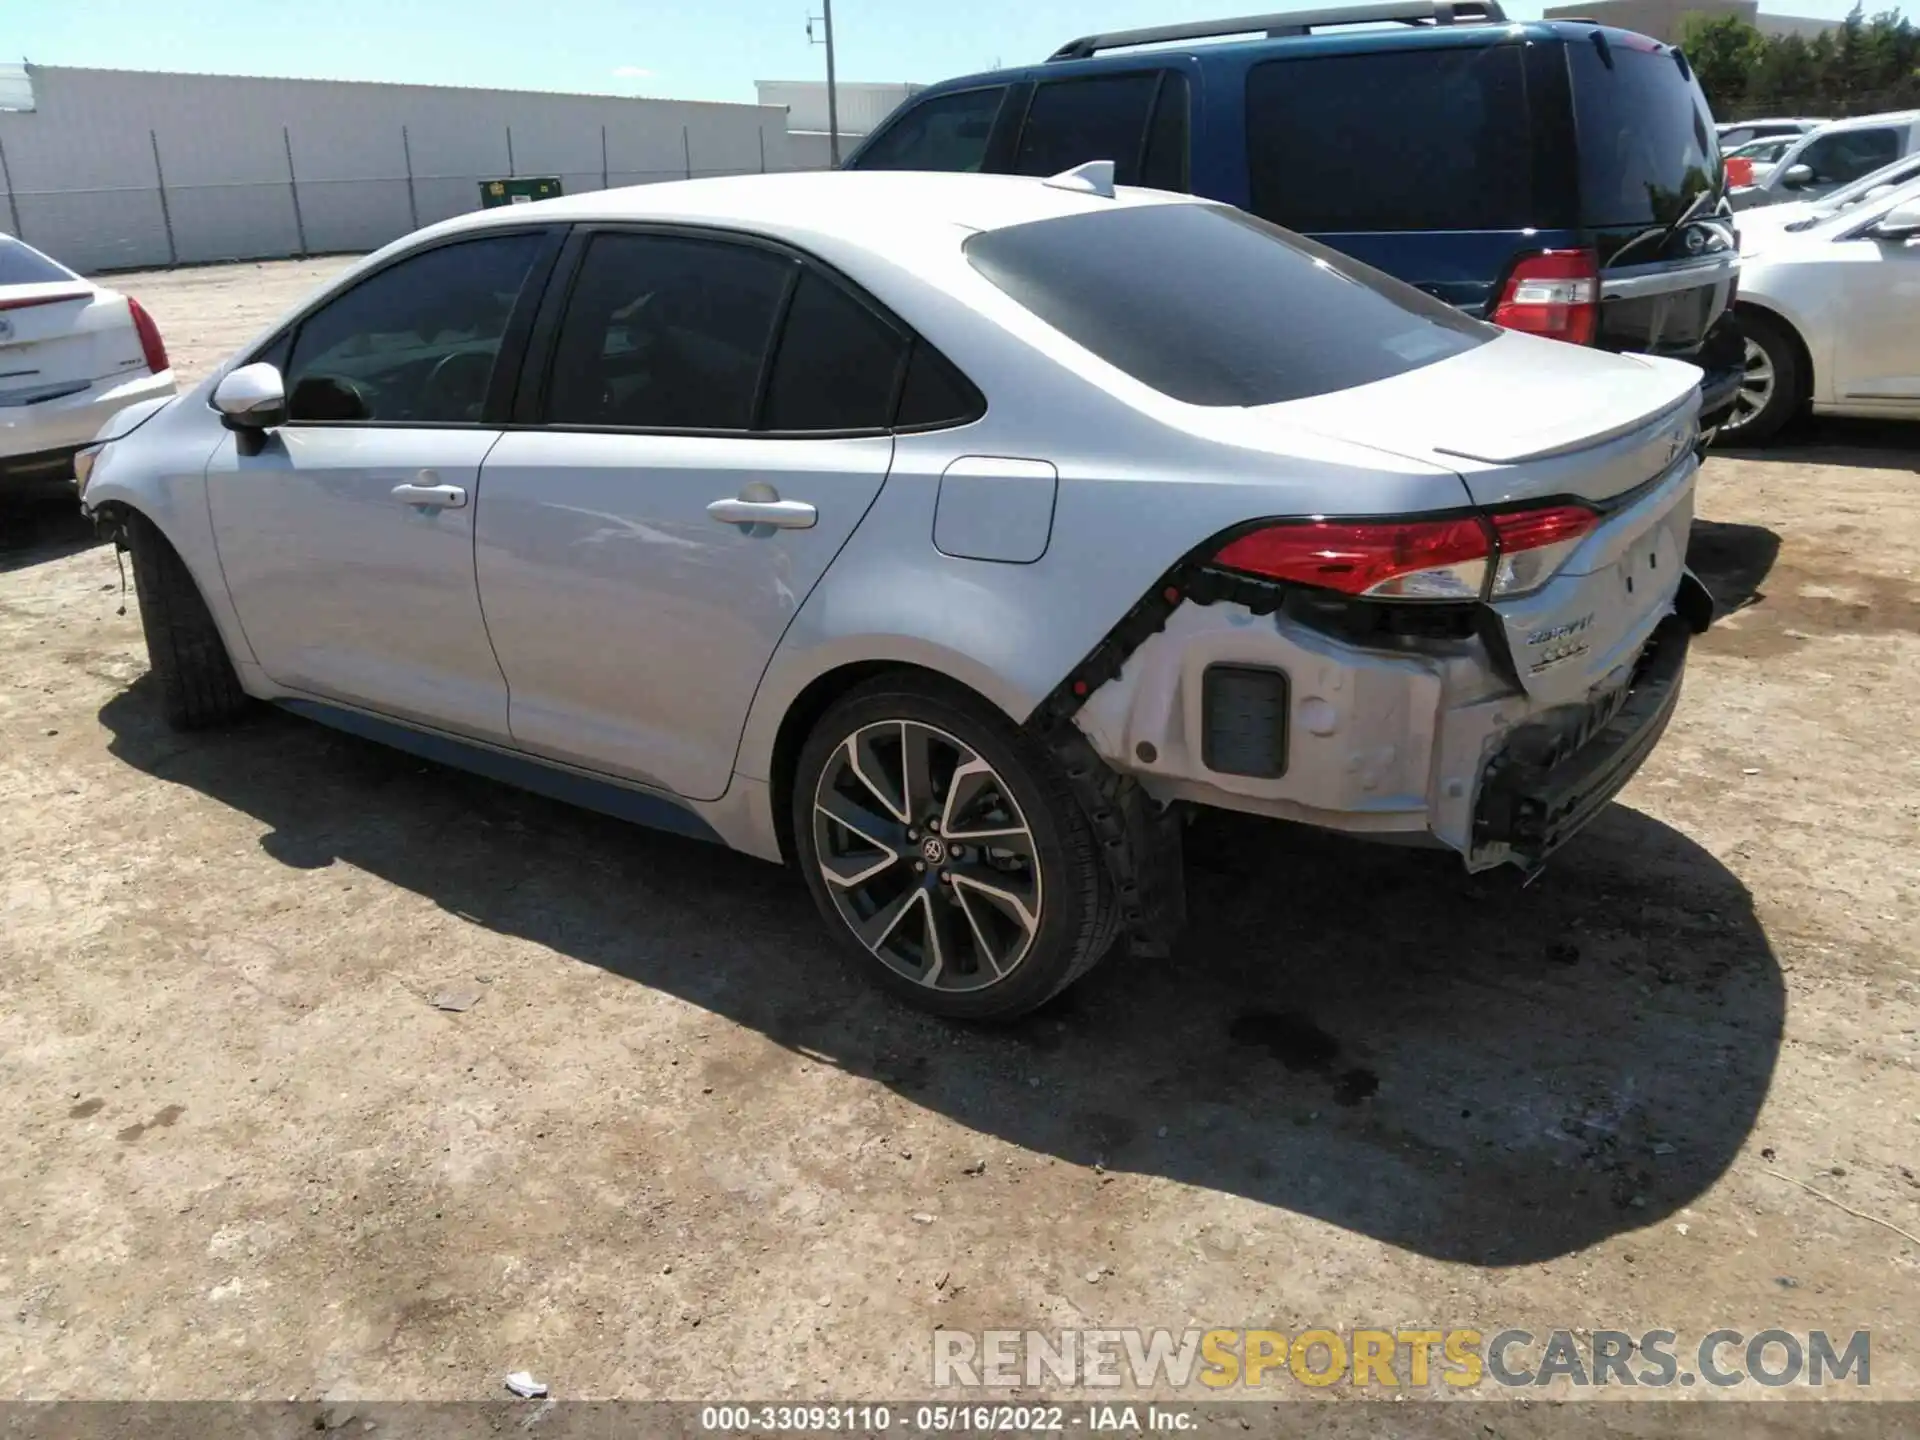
1296 22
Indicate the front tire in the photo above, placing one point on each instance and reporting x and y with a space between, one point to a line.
944 847
1772 389
198 686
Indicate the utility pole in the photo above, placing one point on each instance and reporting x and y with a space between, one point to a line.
833 99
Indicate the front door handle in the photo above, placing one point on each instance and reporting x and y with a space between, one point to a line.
778 514
431 497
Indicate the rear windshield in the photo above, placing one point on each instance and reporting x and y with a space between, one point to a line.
22 265
1646 138
1429 139
1213 306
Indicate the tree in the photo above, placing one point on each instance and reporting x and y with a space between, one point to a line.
1724 51
1859 66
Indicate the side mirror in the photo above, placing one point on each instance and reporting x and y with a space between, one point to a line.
1900 223
251 398
1798 177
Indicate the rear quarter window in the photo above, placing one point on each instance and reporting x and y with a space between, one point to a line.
1213 306
21 264
1429 139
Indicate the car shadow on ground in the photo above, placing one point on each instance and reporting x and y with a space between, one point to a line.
37 534
1732 561
1467 1068
1839 440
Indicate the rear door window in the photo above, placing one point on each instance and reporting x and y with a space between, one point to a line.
1098 117
1396 140
666 333
948 132
1164 166
838 366
1840 158
1646 140
1212 306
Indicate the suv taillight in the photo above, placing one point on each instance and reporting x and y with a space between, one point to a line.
1461 558
1555 293
151 345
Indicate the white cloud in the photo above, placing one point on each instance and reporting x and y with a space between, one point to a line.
632 72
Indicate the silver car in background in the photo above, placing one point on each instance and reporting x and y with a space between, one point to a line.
942 535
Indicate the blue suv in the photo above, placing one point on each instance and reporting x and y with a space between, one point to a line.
1559 177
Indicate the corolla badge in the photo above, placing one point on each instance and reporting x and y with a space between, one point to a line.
1556 643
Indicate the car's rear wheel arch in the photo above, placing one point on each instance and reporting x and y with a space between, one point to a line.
814 701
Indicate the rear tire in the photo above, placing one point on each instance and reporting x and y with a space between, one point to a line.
973 888
198 686
1773 388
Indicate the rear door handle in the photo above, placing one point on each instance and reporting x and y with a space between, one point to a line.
431 497
780 514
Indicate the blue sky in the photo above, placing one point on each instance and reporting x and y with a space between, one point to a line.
701 51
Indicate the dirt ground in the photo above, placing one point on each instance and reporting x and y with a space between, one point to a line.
677 1150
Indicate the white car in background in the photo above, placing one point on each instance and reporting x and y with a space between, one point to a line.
1759 156
1740 132
72 355
1804 214
1830 307
1823 160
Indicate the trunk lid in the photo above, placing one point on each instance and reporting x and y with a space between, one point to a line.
58 338
1499 417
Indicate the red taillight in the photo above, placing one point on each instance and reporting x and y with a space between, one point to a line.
1536 543
151 345
1416 559
1739 169
1555 293
1530 529
1407 560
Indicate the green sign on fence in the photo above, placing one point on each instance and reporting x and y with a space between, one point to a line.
521 190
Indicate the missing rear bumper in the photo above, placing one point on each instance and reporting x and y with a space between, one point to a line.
1554 774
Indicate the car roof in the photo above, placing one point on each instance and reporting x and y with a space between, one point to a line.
1345 41
892 212
1870 122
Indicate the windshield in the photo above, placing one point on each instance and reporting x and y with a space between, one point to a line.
1888 196
1213 306
1647 147
1845 198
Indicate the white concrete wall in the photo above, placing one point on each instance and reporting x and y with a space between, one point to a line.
863 105
81 181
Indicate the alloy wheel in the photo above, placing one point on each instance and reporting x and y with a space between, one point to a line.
1756 387
927 856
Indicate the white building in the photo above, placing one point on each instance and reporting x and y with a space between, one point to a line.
862 107
107 169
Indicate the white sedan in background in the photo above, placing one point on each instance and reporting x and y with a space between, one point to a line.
1830 306
72 355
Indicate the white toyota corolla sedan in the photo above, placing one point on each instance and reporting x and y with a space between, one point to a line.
72 353
1830 307
944 535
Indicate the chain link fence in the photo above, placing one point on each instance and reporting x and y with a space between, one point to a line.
301 212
